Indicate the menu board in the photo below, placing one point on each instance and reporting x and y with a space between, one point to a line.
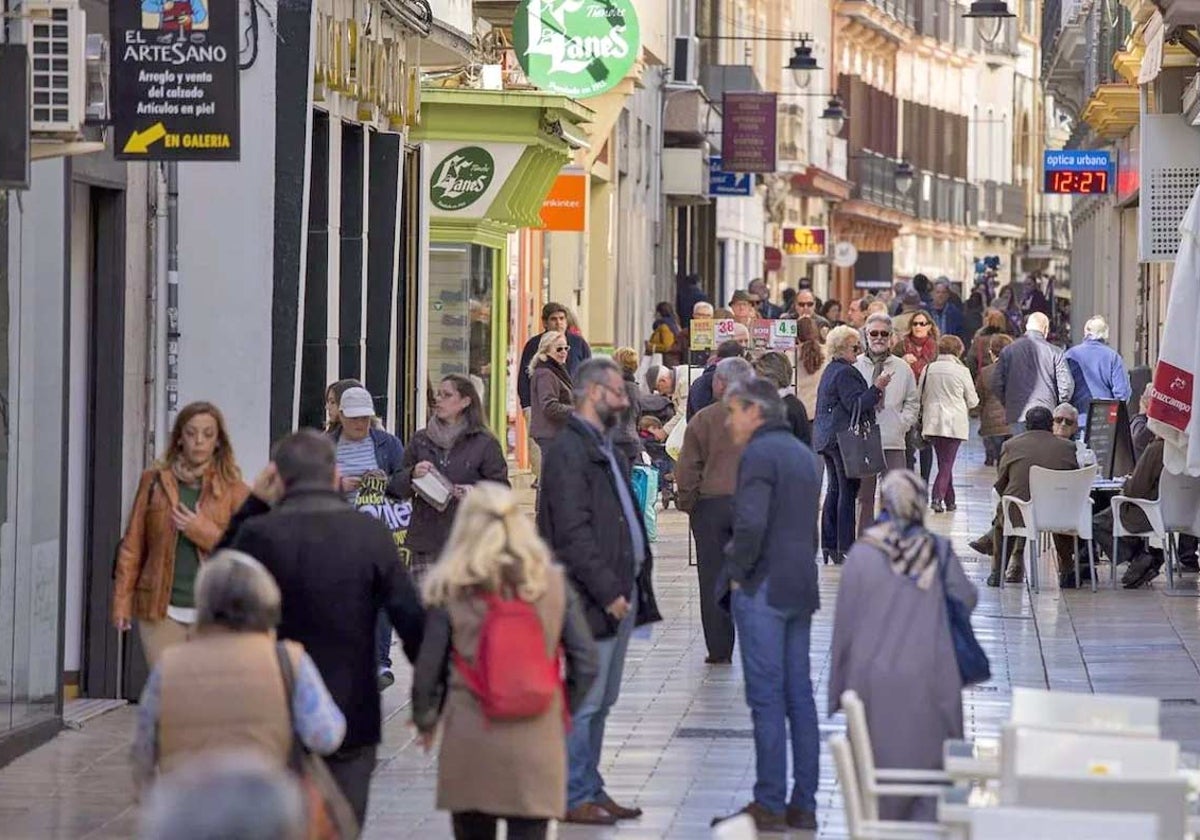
1109 436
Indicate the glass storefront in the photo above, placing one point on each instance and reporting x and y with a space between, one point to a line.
461 287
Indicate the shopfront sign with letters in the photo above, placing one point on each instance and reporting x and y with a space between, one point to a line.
565 208
174 80
748 132
465 178
805 242
578 48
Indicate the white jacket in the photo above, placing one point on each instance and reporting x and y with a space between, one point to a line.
947 397
901 400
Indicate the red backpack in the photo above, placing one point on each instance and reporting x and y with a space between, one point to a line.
513 678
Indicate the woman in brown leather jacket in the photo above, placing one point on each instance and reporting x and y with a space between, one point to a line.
183 505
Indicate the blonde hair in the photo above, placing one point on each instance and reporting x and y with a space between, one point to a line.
492 545
627 358
543 351
839 339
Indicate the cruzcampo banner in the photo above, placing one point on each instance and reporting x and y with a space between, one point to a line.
578 48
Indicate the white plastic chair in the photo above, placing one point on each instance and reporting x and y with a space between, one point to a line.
874 782
859 826
1043 753
1060 502
1006 823
1095 714
741 827
1174 513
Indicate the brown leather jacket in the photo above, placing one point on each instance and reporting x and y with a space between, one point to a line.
146 557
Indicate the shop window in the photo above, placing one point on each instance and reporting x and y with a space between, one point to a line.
461 283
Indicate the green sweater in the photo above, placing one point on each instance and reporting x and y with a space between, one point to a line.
187 556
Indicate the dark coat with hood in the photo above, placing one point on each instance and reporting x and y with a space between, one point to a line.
581 518
552 400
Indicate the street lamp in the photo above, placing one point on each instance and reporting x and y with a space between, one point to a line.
903 176
803 63
835 115
991 14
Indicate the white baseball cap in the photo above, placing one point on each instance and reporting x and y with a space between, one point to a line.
357 402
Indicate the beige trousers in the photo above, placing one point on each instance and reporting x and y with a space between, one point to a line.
157 636
535 451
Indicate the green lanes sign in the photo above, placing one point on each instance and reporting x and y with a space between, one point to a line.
578 48
461 178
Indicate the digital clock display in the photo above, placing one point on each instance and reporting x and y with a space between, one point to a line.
1083 181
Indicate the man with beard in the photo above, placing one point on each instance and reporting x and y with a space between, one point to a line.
590 519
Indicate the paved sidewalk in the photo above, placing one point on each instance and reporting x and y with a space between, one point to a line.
679 740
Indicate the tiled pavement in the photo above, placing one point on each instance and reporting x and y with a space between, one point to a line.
678 742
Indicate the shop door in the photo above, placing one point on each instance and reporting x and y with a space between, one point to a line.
409 391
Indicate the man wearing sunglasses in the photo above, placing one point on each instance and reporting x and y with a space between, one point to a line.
898 412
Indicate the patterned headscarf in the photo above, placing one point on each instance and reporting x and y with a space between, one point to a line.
901 534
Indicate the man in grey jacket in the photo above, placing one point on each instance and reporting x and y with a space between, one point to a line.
898 414
1032 372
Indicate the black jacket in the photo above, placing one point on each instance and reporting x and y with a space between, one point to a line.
580 517
842 388
476 456
336 569
775 521
700 394
798 419
577 353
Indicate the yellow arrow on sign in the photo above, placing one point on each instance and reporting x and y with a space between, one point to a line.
139 142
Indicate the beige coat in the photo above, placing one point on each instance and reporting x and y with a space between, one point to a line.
806 388
947 397
517 768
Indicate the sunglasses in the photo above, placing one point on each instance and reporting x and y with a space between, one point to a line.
560 349
921 324
878 334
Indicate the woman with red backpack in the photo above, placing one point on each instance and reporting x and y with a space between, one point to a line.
501 617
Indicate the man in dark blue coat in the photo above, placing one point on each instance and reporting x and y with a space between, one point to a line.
947 315
771 577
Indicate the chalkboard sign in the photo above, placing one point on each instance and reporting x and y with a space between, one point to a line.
1108 435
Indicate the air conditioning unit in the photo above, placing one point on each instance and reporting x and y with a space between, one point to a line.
685 67
56 33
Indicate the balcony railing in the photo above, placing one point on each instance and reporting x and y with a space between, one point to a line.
1048 232
874 177
943 21
1106 31
1003 204
940 198
903 11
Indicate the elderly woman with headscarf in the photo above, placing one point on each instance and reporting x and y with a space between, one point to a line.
892 642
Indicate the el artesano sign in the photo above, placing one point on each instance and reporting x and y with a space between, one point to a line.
578 48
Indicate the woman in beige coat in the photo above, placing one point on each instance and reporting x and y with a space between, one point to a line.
947 397
489 769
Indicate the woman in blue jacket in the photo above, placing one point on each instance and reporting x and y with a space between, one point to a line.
842 390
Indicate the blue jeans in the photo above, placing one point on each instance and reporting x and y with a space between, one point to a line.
779 692
383 639
585 741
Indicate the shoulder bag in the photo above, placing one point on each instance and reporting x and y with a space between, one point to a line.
861 447
973 665
330 816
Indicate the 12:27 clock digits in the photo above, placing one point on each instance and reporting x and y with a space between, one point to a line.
1087 182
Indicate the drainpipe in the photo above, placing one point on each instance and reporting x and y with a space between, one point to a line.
172 322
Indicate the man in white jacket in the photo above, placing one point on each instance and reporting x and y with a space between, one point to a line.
901 405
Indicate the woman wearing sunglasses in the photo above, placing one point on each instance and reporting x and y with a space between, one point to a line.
919 348
550 388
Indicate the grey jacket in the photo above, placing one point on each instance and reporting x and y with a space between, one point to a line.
1032 372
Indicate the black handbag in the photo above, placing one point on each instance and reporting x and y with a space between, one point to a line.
861 448
973 664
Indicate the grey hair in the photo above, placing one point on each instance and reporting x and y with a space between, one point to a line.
761 393
235 591
222 795
1096 327
839 338
733 371
1068 409
878 317
593 372
1037 322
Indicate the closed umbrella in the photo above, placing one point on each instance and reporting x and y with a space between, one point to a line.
1171 415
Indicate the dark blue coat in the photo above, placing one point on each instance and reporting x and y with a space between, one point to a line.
700 394
842 387
389 451
949 319
775 521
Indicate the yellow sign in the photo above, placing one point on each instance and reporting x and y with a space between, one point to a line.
139 142
804 241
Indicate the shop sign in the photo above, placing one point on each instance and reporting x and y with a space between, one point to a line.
725 183
565 208
174 80
578 48
760 334
461 179
783 334
748 123
804 241
701 334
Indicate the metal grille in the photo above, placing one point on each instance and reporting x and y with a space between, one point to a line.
1169 178
52 69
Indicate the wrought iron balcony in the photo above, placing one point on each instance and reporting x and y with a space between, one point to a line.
1002 204
1047 234
945 200
874 177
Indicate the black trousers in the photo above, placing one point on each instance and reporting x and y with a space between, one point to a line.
472 825
712 526
926 453
352 769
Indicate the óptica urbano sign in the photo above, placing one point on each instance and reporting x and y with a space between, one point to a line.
461 178
578 48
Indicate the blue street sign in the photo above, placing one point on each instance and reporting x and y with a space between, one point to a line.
721 183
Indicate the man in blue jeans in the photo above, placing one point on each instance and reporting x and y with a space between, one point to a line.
770 576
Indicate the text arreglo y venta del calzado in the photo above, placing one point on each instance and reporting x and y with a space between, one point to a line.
167 88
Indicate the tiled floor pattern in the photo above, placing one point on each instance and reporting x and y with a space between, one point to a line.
678 742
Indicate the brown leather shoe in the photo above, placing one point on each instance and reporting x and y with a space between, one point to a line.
589 813
764 820
619 811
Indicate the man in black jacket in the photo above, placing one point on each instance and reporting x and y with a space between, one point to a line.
336 568
700 395
589 516
771 577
